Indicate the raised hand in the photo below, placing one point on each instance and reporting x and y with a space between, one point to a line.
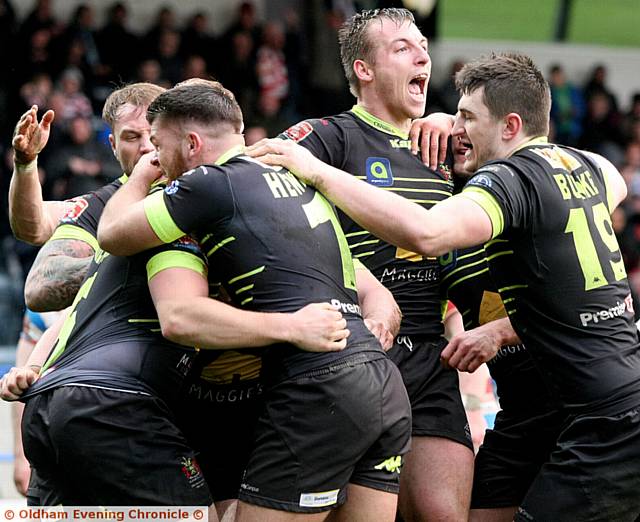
31 136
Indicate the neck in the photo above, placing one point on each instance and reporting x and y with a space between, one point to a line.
374 105
220 146
516 145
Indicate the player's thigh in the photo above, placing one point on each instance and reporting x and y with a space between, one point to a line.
503 514
251 513
366 505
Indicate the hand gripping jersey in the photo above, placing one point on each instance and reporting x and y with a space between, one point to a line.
374 151
466 282
557 266
112 337
274 243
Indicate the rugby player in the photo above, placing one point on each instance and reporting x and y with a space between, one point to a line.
330 422
548 207
386 61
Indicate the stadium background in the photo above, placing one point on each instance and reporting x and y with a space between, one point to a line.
42 54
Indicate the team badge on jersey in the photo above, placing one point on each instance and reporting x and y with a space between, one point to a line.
480 179
173 188
299 131
379 172
79 206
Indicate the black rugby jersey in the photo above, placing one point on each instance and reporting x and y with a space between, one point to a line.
112 337
557 266
275 244
374 151
467 283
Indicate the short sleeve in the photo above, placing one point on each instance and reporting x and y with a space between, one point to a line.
322 137
197 200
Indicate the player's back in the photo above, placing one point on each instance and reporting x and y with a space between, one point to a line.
274 243
559 265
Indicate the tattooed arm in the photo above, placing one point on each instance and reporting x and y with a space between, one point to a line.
56 274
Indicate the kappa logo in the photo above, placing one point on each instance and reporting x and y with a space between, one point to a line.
299 131
392 464
173 188
79 206
379 172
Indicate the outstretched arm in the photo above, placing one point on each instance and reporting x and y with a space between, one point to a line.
56 274
456 222
32 219
189 317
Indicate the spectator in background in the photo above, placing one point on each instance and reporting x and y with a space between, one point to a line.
71 102
447 95
195 66
81 31
168 57
239 74
601 128
34 57
149 72
165 21
36 91
596 84
567 107
81 166
196 40
118 47
632 119
246 22
272 71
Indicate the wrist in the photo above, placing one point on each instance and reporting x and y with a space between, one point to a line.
24 165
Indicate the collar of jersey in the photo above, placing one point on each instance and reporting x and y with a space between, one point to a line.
236 150
377 123
124 178
538 140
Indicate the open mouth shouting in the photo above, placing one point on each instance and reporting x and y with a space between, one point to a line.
418 86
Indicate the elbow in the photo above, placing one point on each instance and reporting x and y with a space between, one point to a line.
35 298
173 325
36 238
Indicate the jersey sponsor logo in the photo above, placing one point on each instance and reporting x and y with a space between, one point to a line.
321 499
379 171
608 313
299 131
480 180
173 188
346 308
79 206
422 275
448 261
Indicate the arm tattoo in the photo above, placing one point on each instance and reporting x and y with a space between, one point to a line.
56 274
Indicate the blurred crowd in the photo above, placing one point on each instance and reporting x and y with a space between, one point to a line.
280 71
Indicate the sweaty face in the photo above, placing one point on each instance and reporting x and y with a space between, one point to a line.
130 138
401 68
169 144
477 131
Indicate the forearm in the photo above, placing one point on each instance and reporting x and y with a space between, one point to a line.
53 285
377 303
114 229
502 331
386 215
43 347
32 219
23 351
210 324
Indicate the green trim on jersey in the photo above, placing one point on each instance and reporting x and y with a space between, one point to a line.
489 205
234 151
159 218
77 233
377 123
175 259
123 179
357 264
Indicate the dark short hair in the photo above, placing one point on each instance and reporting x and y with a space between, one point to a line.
355 43
199 100
512 83
137 94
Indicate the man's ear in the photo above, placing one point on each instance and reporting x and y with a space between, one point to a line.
112 142
194 143
364 73
512 126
